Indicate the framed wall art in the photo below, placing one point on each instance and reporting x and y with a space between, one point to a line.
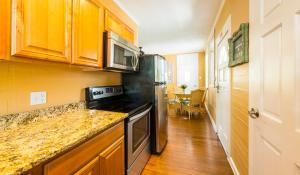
239 46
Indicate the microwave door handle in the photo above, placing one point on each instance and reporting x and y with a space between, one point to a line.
132 62
136 61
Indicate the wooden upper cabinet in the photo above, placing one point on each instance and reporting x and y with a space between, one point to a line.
112 159
92 168
5 9
88 28
128 34
112 23
42 29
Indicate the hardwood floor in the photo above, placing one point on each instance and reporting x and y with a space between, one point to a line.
193 149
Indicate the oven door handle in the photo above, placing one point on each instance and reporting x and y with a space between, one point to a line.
140 115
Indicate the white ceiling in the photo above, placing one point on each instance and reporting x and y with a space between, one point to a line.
172 26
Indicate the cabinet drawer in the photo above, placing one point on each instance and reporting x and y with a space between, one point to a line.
77 158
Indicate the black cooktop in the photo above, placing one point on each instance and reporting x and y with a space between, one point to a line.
122 105
112 98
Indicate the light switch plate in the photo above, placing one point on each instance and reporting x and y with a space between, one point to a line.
37 98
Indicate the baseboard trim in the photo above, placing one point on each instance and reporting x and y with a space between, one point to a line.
233 166
211 119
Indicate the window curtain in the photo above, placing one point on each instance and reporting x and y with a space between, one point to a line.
187 71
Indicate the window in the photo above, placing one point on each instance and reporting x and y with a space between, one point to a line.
187 71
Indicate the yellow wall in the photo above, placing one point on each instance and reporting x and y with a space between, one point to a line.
63 83
239 117
239 11
201 74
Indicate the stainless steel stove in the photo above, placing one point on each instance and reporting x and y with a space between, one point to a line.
137 125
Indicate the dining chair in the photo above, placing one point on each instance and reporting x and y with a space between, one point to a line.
196 103
173 103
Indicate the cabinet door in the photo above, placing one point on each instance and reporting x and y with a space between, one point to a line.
112 23
128 34
5 9
92 168
88 27
112 160
42 29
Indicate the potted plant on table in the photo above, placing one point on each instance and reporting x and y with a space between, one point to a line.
183 87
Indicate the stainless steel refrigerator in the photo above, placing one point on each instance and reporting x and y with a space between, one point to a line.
149 84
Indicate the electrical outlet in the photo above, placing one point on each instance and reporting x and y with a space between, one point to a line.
43 97
37 98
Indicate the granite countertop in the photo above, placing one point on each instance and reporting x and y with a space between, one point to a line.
27 145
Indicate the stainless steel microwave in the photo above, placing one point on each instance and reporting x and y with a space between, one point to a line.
119 54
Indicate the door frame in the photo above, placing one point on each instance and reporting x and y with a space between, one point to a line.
226 30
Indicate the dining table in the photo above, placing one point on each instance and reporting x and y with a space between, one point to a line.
183 98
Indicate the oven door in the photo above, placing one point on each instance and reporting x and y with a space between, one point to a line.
138 134
121 55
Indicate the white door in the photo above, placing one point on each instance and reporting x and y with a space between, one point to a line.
223 87
275 87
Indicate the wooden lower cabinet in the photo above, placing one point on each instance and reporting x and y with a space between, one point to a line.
109 162
92 168
101 155
112 160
